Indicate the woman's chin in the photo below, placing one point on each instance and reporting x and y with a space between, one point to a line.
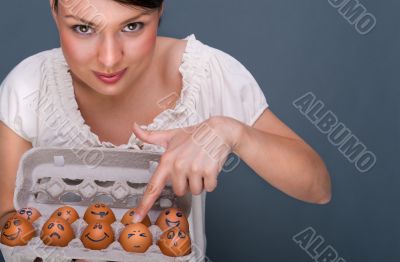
114 90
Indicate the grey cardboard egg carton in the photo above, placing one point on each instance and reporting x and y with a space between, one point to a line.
49 178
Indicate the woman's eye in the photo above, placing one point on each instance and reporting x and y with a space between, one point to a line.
133 27
83 29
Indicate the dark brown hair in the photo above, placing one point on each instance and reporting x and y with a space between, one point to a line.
147 4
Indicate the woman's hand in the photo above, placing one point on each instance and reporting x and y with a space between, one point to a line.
12 147
192 160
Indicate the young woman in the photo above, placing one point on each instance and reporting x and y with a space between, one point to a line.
113 71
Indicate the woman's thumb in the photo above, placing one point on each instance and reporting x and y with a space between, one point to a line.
151 136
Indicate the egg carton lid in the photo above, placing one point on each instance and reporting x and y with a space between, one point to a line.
49 177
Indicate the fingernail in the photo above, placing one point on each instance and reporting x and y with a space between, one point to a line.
136 218
143 127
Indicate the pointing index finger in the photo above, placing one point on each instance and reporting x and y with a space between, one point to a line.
153 190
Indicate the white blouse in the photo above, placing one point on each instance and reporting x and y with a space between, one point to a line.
37 102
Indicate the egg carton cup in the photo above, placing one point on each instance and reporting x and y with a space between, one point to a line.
75 248
49 178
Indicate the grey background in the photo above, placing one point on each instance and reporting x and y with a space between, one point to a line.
291 47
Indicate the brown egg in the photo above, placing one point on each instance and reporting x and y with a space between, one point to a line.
128 218
136 238
175 243
66 212
17 231
29 213
172 217
97 236
99 213
57 232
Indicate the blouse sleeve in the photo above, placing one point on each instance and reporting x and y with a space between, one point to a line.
18 98
234 91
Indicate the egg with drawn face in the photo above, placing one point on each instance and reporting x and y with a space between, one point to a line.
99 212
136 238
66 212
175 243
57 232
172 217
97 236
128 218
17 231
29 213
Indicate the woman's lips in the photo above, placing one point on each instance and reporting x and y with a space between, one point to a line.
110 78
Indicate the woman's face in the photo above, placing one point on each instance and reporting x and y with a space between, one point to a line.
108 46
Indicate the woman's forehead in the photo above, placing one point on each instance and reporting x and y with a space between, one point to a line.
96 10
100 8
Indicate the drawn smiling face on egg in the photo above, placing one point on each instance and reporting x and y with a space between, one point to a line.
97 236
172 217
99 213
17 232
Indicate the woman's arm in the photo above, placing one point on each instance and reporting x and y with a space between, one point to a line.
12 147
195 155
282 158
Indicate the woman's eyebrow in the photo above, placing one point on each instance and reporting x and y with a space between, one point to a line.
86 22
83 20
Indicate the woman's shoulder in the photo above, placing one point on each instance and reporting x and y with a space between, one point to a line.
29 71
19 94
175 48
170 52
194 53
199 64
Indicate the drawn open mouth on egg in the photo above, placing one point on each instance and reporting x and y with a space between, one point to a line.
171 223
102 214
98 240
55 234
13 236
137 246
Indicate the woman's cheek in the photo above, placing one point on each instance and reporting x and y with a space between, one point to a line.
77 51
142 47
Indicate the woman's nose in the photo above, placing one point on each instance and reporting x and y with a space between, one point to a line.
110 52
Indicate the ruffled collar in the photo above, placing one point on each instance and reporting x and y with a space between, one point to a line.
179 116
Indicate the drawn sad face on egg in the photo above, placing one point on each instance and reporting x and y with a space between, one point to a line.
57 232
175 243
66 212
